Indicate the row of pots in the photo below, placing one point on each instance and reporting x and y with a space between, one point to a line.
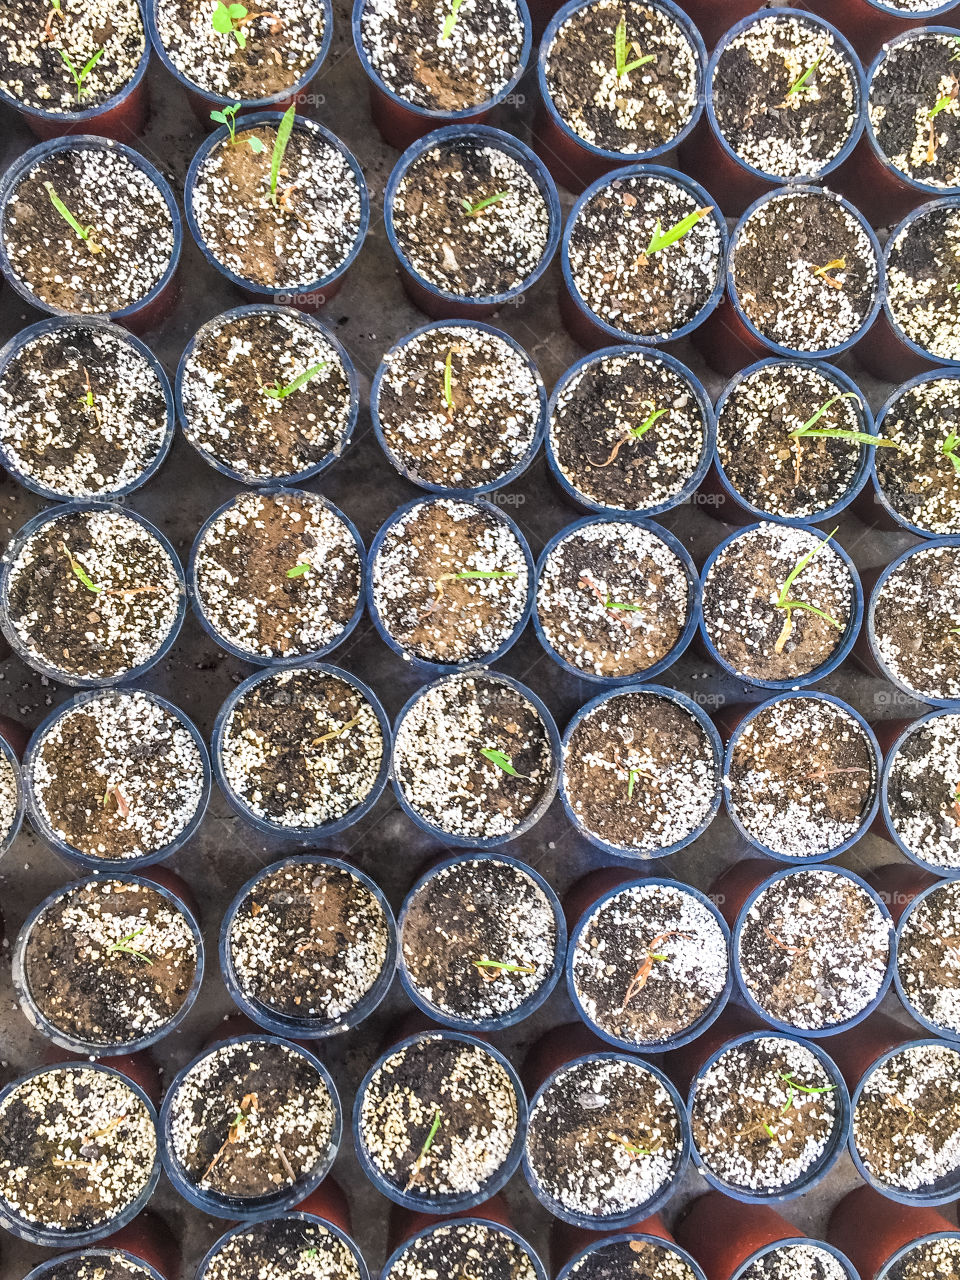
777 301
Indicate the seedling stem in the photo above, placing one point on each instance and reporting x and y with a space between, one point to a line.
425 1149
277 391
124 946
80 76
501 760
228 116
784 600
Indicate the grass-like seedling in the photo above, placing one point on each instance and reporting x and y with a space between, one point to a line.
607 600
125 945
425 1149
661 239
249 1104
639 979
450 21
634 433
786 602
633 1149
299 570
501 760
80 76
75 226
463 575
474 210
810 430
950 448
278 392
228 116
448 383
794 1087
633 777
623 67
227 20
490 970
802 84
284 130
78 570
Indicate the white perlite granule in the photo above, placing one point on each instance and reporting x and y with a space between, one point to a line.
91 1120
9 795
924 586
920 1085
915 292
798 1262
937 1259
928 957
915 160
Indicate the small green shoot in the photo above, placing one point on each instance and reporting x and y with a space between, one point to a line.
633 433
425 1149
633 777
448 383
124 945
309 1253
79 77
661 239
227 19
941 104
633 1149
466 575
474 210
785 602
70 220
624 67
620 604
500 966
501 760
802 83
298 570
278 392
79 571
794 1087
284 130
955 56
450 21
770 1130
810 429
950 449
228 116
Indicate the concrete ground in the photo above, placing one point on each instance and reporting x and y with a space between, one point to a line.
369 316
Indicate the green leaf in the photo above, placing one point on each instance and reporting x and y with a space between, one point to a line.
220 19
941 105
298 570
501 760
950 446
434 1130
664 239
218 117
277 392
486 573
450 21
618 604
639 432
284 131
796 571
639 62
448 379
620 47
825 408
256 145
800 85
473 209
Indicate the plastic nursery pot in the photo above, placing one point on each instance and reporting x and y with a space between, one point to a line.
135 1145
719 496
275 1241
922 1191
869 651
596 1072
624 1251
487 1061
403 1224
330 1203
11 796
140 314
684 383
400 121
569 1244
461 1240
273 472
203 101
518 555
704 806
366 921
583 323
893 193
916 980
730 340
876 1234
533 392
870 24
626 936
412 729
93 328
120 116
816 816
683 566
530 915
683 1064
140 945
443 304
899 884
899 770
886 350
707 154
881 975
576 162
251 1208
301 617
304 295
146 1246
309 676
818 673
727 1237
190 743
818 1164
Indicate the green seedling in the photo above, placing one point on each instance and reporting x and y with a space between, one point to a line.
810 429
802 83
786 602
448 383
78 570
949 450
633 433
941 104
794 1087
621 604
500 966
227 19
633 1149
70 220
124 945
425 1149
284 130
501 760
79 77
464 575
473 210
450 21
298 570
624 67
277 392
228 116
661 239
238 1126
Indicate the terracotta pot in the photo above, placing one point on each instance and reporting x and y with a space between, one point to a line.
567 1240
856 1050
682 1064
404 1223
151 1239
870 1229
732 887
714 17
898 883
138 1067
722 1233
554 1048
581 895
329 1202
868 27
